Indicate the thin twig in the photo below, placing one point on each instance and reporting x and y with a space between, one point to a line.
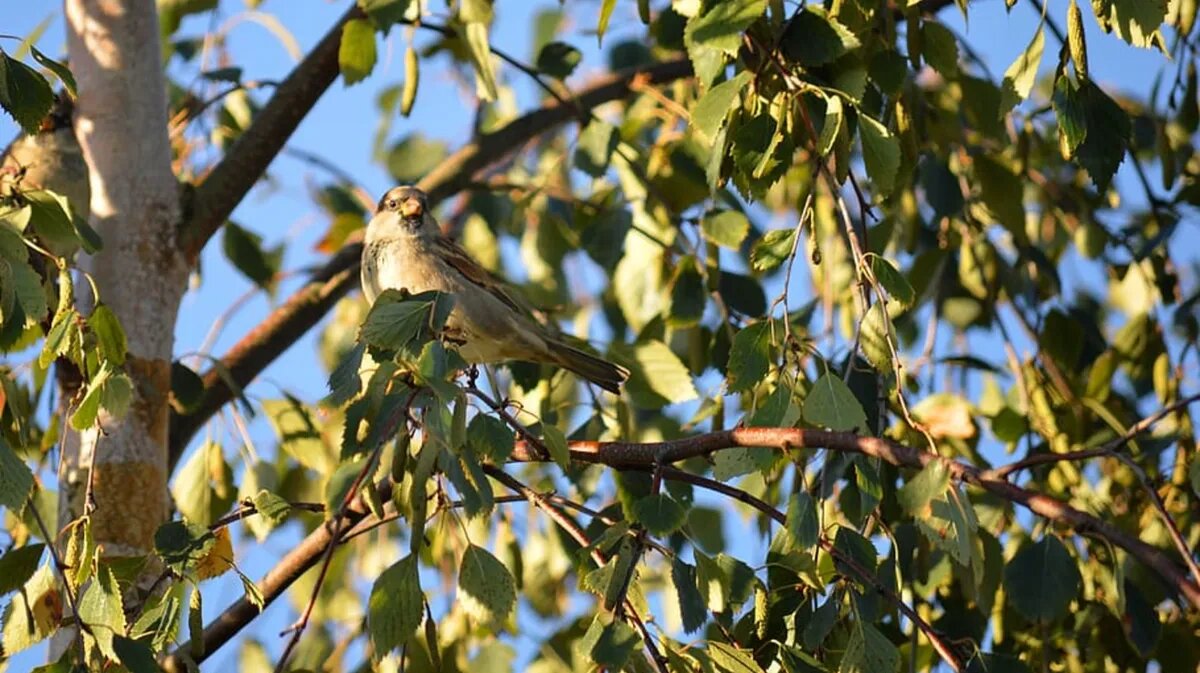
61 568
572 528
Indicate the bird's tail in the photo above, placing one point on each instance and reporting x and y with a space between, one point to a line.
603 373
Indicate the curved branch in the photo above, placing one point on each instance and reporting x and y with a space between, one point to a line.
287 323
229 181
634 455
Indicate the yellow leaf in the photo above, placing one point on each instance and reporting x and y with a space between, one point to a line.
219 559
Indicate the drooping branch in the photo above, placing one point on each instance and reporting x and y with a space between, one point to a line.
292 319
229 181
648 455
939 643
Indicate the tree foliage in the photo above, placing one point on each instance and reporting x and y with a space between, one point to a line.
912 347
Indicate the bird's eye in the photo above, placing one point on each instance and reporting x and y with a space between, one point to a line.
391 204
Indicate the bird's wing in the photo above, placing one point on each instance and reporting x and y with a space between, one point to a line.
461 262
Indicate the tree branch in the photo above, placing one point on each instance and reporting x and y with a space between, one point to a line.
229 181
648 455
287 323
939 644
290 568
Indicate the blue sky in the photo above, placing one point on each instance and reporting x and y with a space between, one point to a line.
341 129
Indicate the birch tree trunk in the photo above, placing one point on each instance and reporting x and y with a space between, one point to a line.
121 123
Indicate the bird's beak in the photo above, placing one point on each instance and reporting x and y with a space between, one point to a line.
411 209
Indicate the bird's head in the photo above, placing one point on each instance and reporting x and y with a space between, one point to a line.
403 211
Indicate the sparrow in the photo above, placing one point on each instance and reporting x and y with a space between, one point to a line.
49 159
404 249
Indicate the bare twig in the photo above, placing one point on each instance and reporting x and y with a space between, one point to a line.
568 524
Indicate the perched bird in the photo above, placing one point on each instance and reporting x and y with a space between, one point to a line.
49 159
405 249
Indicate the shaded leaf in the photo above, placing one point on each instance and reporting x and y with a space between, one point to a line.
395 607
831 404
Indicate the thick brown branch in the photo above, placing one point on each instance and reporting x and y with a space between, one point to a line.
647 455
230 180
287 323
261 345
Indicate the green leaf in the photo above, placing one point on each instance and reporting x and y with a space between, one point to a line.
110 390
180 544
556 442
298 434
802 521
688 295
893 281
831 404
476 37
868 651
135 655
1002 194
742 293
1042 580
877 331
59 339
395 322
344 381
741 460
244 249
385 13
940 48
831 125
1109 130
50 216
750 356
881 153
395 607
558 59
24 94
659 514
721 25
692 606
192 489
1135 21
100 607
16 479
356 52
485 586
60 71
942 190
32 614
1069 112
18 565
772 249
491 438
930 483
1021 75
596 144
413 156
813 38
726 228
708 117
109 335
606 10
608 642
271 507
187 388
657 376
